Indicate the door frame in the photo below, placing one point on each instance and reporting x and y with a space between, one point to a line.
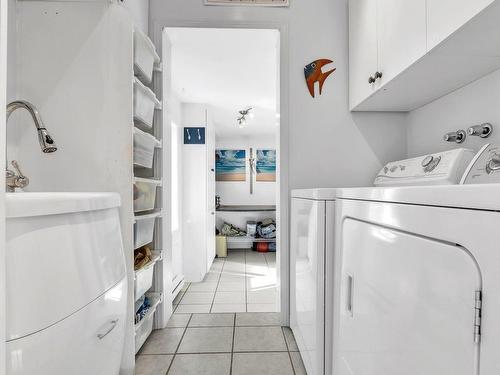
282 194
3 123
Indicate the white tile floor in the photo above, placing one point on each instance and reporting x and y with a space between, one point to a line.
245 281
221 344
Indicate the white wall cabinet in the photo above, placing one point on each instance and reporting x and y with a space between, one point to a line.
400 35
386 36
363 54
419 49
198 222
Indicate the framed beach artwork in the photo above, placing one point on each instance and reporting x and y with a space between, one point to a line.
230 165
266 165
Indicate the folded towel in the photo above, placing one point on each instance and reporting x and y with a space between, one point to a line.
142 257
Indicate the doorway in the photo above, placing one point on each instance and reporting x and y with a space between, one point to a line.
225 119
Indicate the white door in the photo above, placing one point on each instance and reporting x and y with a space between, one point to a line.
362 49
210 144
307 281
446 16
407 304
401 34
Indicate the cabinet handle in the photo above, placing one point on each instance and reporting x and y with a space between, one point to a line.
371 80
100 336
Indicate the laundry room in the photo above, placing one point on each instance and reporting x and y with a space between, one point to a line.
249 187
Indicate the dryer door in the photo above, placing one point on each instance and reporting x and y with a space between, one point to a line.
408 304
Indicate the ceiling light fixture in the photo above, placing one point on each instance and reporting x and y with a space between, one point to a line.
243 114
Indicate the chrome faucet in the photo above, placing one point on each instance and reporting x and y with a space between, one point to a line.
47 144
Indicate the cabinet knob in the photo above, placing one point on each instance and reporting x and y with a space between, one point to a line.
373 79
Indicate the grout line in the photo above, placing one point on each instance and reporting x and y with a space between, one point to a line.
246 281
205 353
232 346
242 352
217 287
179 344
288 350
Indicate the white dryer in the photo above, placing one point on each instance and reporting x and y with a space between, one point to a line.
418 274
311 275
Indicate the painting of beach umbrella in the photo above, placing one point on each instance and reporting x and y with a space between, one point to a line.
230 165
266 165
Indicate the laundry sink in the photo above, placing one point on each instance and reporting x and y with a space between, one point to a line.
66 284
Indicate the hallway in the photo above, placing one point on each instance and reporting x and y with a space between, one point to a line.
245 281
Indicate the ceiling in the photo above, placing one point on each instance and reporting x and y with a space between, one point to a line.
231 70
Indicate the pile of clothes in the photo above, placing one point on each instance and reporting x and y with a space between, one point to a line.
142 257
142 307
229 230
266 229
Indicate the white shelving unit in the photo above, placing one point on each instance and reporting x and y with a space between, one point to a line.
150 178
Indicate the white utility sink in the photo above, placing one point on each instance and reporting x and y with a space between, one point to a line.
66 283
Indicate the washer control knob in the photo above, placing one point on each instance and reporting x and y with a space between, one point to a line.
493 164
432 165
427 161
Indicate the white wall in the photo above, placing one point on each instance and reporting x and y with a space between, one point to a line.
238 193
321 142
139 9
471 105
328 146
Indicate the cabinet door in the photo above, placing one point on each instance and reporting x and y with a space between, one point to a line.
446 16
401 34
362 49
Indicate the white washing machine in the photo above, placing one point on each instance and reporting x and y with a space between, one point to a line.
311 263
312 250
418 272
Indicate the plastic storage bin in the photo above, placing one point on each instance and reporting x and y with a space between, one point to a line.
144 229
145 102
143 280
144 328
144 148
145 56
144 276
145 194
